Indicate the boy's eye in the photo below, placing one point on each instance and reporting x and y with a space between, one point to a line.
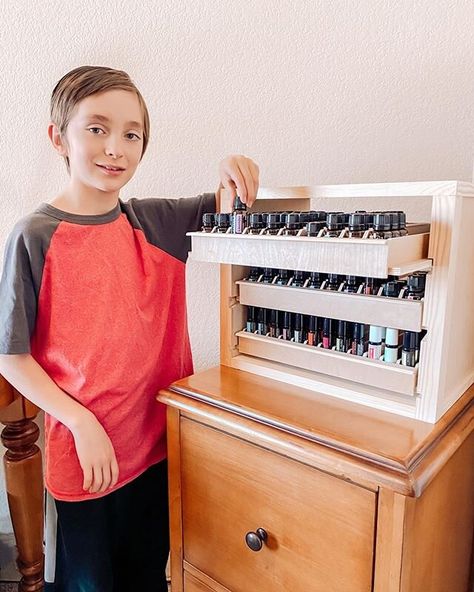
132 136
96 130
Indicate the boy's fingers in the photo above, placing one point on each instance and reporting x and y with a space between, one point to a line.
87 478
114 472
96 479
230 187
235 176
251 180
106 478
255 171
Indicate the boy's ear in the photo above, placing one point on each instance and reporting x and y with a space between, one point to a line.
57 139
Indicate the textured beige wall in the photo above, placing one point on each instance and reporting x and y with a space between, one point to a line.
316 91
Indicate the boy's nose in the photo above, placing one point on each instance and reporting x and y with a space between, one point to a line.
113 150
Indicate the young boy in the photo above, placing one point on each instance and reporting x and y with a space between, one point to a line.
93 324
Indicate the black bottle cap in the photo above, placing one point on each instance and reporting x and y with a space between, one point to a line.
268 274
327 326
351 279
298 277
335 220
208 220
273 220
256 220
333 278
402 220
317 216
313 228
287 320
298 322
239 204
251 314
392 289
416 282
254 273
395 220
359 331
283 273
357 222
305 217
262 315
293 220
410 340
312 324
274 317
342 329
382 221
222 220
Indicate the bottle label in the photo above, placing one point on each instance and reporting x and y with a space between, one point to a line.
375 351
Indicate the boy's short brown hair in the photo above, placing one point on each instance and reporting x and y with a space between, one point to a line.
89 80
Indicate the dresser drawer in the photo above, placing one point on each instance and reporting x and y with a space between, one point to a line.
320 529
193 585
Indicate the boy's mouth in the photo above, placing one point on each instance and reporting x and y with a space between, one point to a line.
110 168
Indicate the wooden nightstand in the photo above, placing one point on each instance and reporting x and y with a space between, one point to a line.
330 495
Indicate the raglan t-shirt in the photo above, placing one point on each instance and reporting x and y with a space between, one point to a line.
99 302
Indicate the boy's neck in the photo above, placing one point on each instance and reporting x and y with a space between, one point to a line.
85 201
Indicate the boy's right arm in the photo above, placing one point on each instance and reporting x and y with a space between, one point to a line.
93 446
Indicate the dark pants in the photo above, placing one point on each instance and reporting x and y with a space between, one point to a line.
116 543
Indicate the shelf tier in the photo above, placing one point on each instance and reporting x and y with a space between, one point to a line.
375 373
363 257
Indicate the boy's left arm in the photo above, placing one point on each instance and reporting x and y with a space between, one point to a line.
239 175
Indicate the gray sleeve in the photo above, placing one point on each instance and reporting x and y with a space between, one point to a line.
166 221
18 301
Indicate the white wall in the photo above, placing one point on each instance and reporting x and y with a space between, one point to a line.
316 91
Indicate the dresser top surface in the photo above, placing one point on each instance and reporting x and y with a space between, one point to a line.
340 424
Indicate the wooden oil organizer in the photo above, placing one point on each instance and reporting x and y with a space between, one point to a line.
446 364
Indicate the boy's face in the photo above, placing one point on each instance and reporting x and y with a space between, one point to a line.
104 140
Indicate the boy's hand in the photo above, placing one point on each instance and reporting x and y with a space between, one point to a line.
96 455
239 175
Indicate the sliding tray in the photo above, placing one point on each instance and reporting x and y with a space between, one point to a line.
397 313
375 373
364 257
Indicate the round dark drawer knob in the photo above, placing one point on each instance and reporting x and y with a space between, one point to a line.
256 539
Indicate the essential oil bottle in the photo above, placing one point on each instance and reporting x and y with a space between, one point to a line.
208 222
292 224
343 341
312 335
391 345
382 225
286 326
251 325
357 225
333 282
239 215
313 228
262 321
283 277
334 223
328 333
256 224
254 274
375 342
273 224
359 339
222 223
316 280
268 275
298 328
298 279
351 284
416 286
273 324
410 339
